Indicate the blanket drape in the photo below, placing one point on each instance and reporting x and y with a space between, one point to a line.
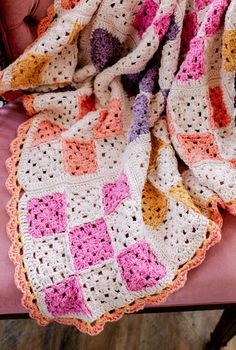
117 177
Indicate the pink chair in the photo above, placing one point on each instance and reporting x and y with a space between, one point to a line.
18 23
211 286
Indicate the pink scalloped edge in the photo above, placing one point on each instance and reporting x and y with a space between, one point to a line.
28 103
45 22
43 25
29 299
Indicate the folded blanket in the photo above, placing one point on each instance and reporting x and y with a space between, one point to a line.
117 177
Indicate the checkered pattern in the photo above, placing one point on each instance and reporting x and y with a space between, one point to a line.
100 248
106 219
102 257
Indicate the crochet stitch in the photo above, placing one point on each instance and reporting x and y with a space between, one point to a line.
102 218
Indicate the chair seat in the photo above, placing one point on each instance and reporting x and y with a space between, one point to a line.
214 282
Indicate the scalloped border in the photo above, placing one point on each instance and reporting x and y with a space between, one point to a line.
29 299
46 21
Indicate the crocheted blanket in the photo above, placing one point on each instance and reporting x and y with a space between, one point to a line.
117 178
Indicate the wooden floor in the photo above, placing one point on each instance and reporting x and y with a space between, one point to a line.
173 331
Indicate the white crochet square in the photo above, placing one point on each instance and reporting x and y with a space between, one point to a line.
41 165
51 103
123 12
214 56
125 225
160 130
191 111
136 162
109 152
57 70
219 177
181 233
104 288
226 141
199 193
55 38
165 174
84 203
47 260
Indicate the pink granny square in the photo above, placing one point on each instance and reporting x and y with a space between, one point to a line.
140 267
47 215
201 4
193 66
90 244
145 16
65 298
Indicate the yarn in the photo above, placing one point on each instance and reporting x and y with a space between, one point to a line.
103 218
